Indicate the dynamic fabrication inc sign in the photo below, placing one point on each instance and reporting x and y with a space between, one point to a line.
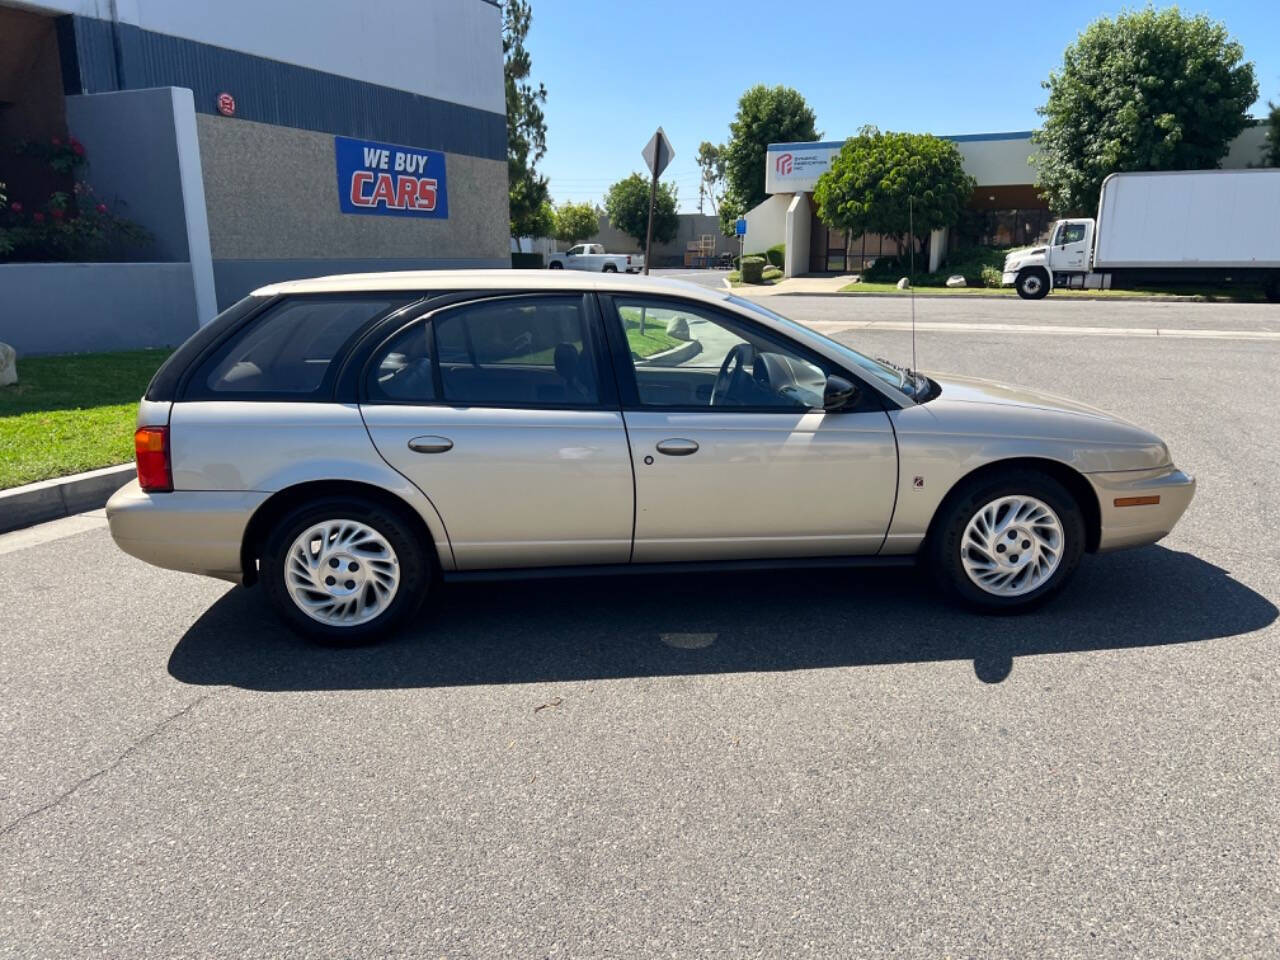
387 180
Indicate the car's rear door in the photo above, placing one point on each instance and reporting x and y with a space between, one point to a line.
504 412
757 473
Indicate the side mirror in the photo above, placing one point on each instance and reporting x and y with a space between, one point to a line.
839 393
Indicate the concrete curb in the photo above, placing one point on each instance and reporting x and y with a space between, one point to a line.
35 503
672 357
998 296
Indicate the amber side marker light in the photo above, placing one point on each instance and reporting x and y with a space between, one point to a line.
1137 501
151 450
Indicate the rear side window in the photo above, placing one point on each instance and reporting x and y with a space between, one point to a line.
512 352
289 351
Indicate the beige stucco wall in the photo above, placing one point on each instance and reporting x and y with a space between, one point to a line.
272 193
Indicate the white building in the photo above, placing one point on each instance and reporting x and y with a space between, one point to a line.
1005 209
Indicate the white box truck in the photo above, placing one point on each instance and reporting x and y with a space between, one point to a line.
1192 226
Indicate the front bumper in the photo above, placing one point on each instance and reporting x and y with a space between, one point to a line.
1142 523
1009 278
195 531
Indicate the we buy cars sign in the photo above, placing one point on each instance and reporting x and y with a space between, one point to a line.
387 180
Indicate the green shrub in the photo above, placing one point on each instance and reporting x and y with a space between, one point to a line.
991 276
752 269
772 273
777 255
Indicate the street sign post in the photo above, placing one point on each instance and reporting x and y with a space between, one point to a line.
657 153
740 228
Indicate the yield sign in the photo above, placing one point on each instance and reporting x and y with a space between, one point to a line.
657 153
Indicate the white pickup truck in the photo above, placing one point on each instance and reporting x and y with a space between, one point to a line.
591 256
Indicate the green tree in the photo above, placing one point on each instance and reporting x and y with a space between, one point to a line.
526 126
711 182
627 204
888 183
575 222
1271 149
1149 90
765 115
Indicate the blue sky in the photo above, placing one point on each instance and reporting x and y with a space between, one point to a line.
930 66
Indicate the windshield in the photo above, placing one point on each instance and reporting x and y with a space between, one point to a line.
900 378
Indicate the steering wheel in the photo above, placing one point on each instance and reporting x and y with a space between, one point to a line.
736 362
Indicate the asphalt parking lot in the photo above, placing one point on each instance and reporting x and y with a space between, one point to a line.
820 764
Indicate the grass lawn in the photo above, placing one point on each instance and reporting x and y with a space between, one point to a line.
1208 295
71 413
654 339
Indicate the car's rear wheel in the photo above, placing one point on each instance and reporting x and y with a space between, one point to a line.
345 570
1032 284
556 265
610 268
1007 543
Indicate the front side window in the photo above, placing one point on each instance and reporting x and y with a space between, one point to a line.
519 352
685 356
1073 233
289 350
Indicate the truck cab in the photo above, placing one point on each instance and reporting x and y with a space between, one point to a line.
1065 261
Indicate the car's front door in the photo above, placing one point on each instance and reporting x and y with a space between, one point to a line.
497 410
734 456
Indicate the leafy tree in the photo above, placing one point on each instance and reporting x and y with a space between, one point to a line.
887 183
526 126
575 222
711 183
1271 149
627 204
765 115
1149 90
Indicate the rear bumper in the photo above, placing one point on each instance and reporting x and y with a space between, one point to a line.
195 531
1136 525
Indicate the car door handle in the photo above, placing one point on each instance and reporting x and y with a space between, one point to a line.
676 447
430 444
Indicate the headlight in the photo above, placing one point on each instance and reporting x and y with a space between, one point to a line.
1010 266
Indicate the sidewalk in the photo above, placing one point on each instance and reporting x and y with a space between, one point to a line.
810 285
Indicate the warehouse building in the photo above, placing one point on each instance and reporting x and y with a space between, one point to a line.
261 141
1005 209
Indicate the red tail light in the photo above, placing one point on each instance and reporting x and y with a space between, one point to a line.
151 449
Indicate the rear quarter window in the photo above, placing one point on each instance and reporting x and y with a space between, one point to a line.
290 351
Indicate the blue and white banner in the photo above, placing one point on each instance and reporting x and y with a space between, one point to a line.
387 180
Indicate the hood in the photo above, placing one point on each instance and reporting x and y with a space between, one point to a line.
974 390
1034 420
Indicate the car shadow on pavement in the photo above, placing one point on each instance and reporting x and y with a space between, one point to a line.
659 625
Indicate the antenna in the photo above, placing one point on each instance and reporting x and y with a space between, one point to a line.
911 226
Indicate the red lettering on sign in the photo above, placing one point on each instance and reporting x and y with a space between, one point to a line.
383 191
358 180
406 193
426 194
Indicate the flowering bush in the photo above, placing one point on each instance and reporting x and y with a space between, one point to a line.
74 226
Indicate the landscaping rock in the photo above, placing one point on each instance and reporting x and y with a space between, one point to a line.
678 328
8 365
955 280
904 284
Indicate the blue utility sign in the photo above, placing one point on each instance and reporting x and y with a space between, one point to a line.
740 227
387 180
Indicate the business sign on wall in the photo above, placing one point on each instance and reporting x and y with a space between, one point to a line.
387 180
796 167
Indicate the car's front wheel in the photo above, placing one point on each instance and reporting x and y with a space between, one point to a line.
1007 543
344 570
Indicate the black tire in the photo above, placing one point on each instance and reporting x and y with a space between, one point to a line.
610 268
414 559
555 265
1032 284
942 552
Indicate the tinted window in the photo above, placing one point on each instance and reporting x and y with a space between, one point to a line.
535 351
402 370
289 350
685 356
164 385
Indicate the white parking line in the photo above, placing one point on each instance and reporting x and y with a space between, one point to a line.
1176 333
